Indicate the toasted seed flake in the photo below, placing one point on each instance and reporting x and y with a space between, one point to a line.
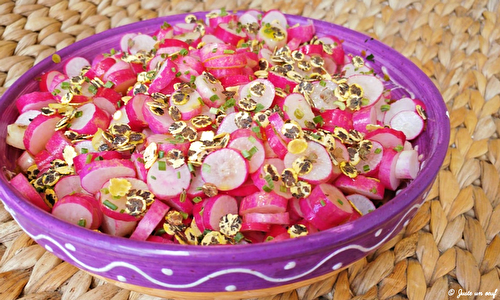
292 130
177 127
230 225
301 189
189 133
297 55
243 119
257 89
348 169
50 197
297 146
317 61
32 172
247 104
294 76
356 89
289 177
135 206
180 98
62 123
150 155
353 103
68 154
50 178
358 61
213 238
209 189
261 119
271 171
302 165
190 18
297 230
421 112
279 92
120 140
342 91
201 121
119 187
354 157
175 158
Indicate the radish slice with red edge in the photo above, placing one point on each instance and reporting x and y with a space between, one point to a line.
165 181
407 165
217 207
95 174
79 209
322 166
39 131
34 101
387 169
361 203
250 147
371 85
225 168
68 185
151 219
409 122
23 186
263 202
274 218
74 66
368 186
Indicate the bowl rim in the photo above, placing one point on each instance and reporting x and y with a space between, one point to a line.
343 233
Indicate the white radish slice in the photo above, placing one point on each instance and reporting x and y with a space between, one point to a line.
98 172
141 43
68 185
191 108
157 123
210 90
189 37
250 147
165 181
26 117
276 143
228 34
39 132
225 168
350 70
47 79
116 227
248 18
126 41
363 117
34 101
297 109
74 66
368 186
323 95
387 169
79 209
398 106
371 85
89 118
15 135
370 165
276 218
217 207
197 182
407 165
114 206
267 34
387 137
266 99
409 122
263 202
325 207
274 16
25 161
23 186
228 125
151 219
260 182
322 166
361 203
249 227
210 38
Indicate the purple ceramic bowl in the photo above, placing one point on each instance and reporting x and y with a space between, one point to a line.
196 269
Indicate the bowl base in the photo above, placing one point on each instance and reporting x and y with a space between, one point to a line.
169 294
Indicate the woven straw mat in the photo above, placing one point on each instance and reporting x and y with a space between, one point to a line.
454 240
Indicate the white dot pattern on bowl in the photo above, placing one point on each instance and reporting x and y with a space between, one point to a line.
167 272
48 248
290 265
70 247
337 266
121 278
378 232
231 288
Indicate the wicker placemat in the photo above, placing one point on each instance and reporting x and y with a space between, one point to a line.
452 243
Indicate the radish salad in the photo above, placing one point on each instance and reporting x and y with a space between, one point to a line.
232 129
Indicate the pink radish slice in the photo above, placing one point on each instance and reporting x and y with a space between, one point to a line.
116 227
39 131
335 43
151 219
46 80
188 66
387 169
197 182
371 85
263 202
181 203
191 108
407 165
267 95
370 187
361 203
74 66
43 160
68 185
225 168
95 174
212 50
198 215
323 96
134 111
159 239
56 144
247 188
269 152
250 147
15 135
260 182
274 16
236 60
276 232
336 117
303 33
90 119
228 125
166 142
217 207
275 142
165 181
409 122
281 81
275 218
246 227
322 167
81 161
294 210
157 123
141 43
122 79
214 21
22 185
140 168
325 207
25 161
387 137
266 35
398 106
277 123
363 117
297 109
210 90
229 35
254 237
114 206
370 165
79 209
34 101
164 76
126 41
26 117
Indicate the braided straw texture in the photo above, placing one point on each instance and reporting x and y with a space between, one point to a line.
454 240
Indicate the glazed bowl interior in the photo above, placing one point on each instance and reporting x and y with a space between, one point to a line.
321 252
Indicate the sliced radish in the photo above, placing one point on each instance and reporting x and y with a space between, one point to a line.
191 108
336 117
387 137
81 161
274 16
158 123
250 147
323 95
225 168
361 203
409 122
217 207
387 169
263 202
25 161
370 165
368 186
371 85
322 166
34 101
297 109
95 174
114 206
364 117
26 117
74 66
39 131
407 165
116 227
261 91
228 125
69 185
181 203
165 181
141 43
15 135
151 219
229 35
79 209
325 207
275 142
164 76
134 111
210 90
398 106
350 70
278 186
89 118
56 144
23 186
275 218
248 227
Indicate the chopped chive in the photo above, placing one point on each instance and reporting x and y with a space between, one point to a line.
178 74
322 83
205 168
269 238
238 237
364 101
373 190
322 202
283 188
82 222
315 136
92 89
110 205
214 50
251 138
201 101
214 98
246 154
285 108
84 150
183 52
399 148
190 167
197 199
267 189
153 177
192 79
256 129
65 85
117 197
161 154
298 114
178 175
229 103
223 12
108 84
182 196
105 191
78 114
385 107
228 51
162 166
366 168
201 211
99 158
378 150
259 107
253 150
88 159
370 57
244 45
340 202
318 120
184 215
214 110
